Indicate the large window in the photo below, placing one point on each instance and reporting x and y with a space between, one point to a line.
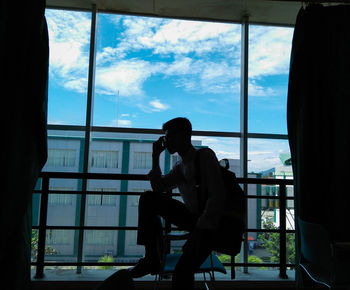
269 54
142 72
149 70
69 36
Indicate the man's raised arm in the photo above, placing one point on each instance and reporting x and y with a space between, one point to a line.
159 182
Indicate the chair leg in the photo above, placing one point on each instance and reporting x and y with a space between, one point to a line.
157 281
212 276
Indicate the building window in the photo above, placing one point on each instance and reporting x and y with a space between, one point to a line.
61 157
99 237
58 237
99 199
142 160
104 159
60 198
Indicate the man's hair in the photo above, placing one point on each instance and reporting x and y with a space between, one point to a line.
178 124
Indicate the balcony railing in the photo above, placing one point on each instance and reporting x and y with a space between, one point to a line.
40 262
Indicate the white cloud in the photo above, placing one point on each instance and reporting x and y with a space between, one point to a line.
157 106
126 76
153 106
264 154
259 91
121 123
79 85
182 37
269 50
69 35
165 36
124 123
204 75
175 41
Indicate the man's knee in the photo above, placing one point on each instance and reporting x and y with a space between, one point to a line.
147 197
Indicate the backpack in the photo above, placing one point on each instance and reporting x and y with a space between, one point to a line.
235 193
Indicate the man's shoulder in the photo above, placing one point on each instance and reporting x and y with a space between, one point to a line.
205 152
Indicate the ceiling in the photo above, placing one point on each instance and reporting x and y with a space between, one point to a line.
259 11
272 12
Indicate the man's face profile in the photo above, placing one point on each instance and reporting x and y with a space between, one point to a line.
172 140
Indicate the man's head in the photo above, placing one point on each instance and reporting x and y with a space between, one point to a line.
178 133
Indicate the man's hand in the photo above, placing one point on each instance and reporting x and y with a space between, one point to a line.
158 147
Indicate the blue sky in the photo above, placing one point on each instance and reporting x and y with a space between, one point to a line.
149 70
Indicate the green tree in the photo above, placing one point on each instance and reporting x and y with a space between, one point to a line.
271 242
34 246
106 259
251 259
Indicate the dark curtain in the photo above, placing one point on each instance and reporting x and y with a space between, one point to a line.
24 78
319 117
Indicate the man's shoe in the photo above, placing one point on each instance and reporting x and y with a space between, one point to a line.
144 267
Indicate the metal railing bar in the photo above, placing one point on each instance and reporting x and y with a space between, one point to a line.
82 264
87 228
160 132
92 192
265 181
130 228
42 229
268 231
88 192
268 197
283 235
48 263
106 176
120 176
276 265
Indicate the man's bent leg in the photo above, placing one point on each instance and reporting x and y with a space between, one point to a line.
195 251
152 205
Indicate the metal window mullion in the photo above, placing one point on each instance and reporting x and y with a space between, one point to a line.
244 121
88 126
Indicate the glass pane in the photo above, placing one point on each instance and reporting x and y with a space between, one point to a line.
60 246
269 57
269 158
103 209
65 151
100 243
149 70
34 245
62 207
69 36
224 147
265 246
36 197
132 250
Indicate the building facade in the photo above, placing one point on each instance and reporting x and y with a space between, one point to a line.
109 153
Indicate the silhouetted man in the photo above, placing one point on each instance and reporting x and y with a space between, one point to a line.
208 214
